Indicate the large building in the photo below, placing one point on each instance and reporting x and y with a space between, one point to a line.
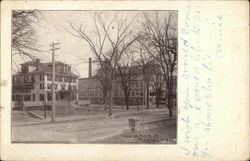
91 89
34 82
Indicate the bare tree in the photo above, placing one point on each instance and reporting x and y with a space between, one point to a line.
103 86
126 74
145 63
160 40
157 83
23 41
114 34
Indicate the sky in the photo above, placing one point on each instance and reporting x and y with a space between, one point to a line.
54 26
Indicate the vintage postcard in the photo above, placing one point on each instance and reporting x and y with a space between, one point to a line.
124 80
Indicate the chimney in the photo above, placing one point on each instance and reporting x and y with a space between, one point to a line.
37 64
90 68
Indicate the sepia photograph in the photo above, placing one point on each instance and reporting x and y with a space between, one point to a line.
124 80
101 77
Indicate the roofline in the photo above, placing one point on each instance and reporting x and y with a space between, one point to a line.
86 78
38 72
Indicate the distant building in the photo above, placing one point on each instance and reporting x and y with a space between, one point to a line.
137 94
34 82
91 89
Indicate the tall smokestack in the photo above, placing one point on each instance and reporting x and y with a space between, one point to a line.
37 64
90 68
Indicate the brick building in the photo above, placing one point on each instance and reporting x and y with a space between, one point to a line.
91 89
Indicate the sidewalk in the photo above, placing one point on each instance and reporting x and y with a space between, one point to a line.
60 119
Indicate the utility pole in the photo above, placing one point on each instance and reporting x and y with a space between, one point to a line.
53 49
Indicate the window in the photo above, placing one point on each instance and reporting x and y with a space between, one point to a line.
49 86
41 98
15 87
32 78
15 79
33 97
18 98
49 77
66 79
26 87
49 96
27 98
59 78
42 86
31 86
63 86
25 78
41 77
29 78
25 68
21 79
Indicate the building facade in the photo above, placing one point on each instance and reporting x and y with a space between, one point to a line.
34 82
91 89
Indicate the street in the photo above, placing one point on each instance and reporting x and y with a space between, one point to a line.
78 129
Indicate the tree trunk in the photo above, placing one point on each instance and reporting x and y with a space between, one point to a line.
157 99
105 103
68 104
170 104
127 102
110 102
127 106
147 101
